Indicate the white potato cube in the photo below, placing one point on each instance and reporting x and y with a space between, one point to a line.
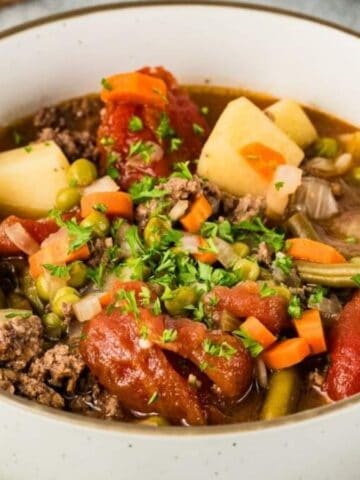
30 178
241 124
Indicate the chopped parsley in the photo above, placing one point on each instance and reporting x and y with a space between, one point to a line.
203 366
175 144
266 291
351 240
169 335
164 129
198 129
79 236
145 296
129 304
153 398
182 170
135 124
316 296
111 170
204 110
144 332
28 149
145 189
157 307
18 138
256 228
279 185
250 344
106 84
356 279
97 274
294 308
61 271
100 207
143 149
222 350
218 229
283 262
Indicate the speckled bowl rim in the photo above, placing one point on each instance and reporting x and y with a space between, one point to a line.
83 422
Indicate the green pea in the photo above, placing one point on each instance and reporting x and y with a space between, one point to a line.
78 274
42 288
241 249
19 302
81 173
326 147
53 325
249 269
28 288
67 198
182 297
155 230
154 421
65 295
355 173
2 299
132 269
98 222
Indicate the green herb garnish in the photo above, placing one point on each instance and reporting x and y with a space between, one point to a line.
169 335
61 271
250 344
222 350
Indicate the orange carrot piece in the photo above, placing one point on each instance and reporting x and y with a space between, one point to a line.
258 332
264 160
106 299
313 251
199 212
204 257
286 353
117 204
135 87
309 327
46 255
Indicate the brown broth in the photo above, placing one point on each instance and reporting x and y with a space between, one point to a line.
215 98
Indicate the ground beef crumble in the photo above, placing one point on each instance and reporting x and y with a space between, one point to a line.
20 341
59 367
244 208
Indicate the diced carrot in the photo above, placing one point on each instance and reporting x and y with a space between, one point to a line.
115 204
106 299
135 87
258 332
49 255
313 251
199 212
309 327
264 160
203 256
286 353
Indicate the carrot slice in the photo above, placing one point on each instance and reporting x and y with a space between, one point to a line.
309 327
264 160
258 332
46 255
313 251
204 257
199 212
114 203
135 87
286 353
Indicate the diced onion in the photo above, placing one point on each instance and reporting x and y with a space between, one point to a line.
189 243
156 153
21 238
225 253
87 308
327 167
261 373
287 179
178 210
316 199
103 184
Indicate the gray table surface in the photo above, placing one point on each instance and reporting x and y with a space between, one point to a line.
344 12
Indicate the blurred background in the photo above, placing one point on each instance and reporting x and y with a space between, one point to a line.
344 12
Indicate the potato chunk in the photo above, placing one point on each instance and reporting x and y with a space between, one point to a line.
30 178
242 128
291 118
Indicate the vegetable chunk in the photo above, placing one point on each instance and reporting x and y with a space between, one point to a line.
30 178
225 158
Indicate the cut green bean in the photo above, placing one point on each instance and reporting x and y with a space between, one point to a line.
283 394
330 275
300 226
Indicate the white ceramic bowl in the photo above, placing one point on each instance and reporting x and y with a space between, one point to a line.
252 47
